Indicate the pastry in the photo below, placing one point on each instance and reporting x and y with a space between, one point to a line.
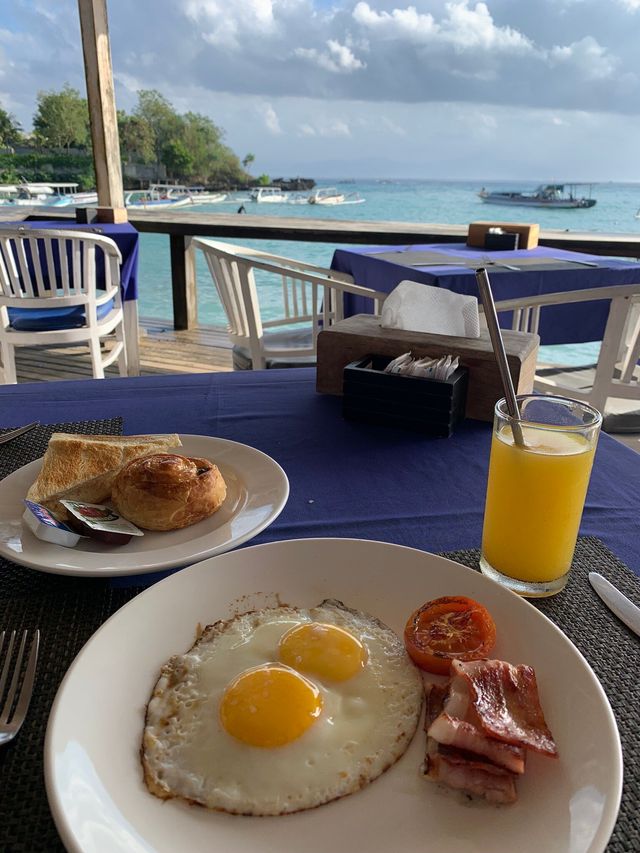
165 491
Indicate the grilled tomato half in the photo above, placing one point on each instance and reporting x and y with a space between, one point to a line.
446 629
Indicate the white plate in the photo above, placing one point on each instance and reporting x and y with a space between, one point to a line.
257 490
93 773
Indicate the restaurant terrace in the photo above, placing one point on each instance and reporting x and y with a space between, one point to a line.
416 516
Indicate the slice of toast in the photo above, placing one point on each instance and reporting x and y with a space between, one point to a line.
83 467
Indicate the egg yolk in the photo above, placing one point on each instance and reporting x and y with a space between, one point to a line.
322 650
269 706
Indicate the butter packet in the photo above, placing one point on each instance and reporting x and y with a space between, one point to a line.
100 522
44 526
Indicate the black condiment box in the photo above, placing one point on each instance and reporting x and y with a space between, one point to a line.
501 241
429 406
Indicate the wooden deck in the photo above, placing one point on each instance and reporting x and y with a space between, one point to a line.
162 350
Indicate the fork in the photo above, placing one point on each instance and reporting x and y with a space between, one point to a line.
13 712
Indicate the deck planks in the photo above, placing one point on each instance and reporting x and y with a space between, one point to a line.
204 349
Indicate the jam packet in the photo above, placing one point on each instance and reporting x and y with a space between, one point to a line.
44 526
100 522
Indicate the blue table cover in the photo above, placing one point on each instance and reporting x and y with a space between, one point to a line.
562 324
124 236
347 479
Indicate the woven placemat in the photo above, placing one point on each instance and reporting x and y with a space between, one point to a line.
613 652
67 611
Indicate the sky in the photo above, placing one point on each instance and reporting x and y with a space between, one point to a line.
495 90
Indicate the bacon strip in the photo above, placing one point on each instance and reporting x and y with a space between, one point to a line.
473 777
460 734
505 700
461 770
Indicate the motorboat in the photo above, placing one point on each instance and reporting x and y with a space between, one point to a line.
273 195
198 194
38 194
563 196
331 195
152 199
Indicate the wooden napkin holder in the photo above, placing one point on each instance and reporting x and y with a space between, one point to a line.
429 406
528 234
353 338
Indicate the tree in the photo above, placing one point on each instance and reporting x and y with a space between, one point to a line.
62 118
178 159
137 139
9 130
157 112
247 160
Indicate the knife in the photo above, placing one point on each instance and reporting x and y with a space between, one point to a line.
617 603
9 436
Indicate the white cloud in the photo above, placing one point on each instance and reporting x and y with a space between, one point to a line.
271 120
401 22
631 5
463 27
590 58
224 22
325 127
339 58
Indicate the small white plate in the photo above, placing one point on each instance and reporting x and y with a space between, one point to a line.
92 751
257 490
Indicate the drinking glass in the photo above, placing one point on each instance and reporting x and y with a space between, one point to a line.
536 492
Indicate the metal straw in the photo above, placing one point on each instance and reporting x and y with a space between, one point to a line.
501 357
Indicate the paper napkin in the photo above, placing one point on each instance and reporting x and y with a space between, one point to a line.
419 307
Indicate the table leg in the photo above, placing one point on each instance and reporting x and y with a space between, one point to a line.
131 331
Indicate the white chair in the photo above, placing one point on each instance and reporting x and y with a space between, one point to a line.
310 297
615 372
48 295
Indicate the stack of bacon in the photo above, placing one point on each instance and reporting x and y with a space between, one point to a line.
480 725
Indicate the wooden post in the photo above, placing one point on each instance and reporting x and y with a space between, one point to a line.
183 282
94 27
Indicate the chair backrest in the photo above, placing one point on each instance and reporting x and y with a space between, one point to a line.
38 265
309 294
615 374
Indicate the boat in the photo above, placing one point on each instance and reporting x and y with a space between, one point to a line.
151 199
273 195
198 194
331 195
38 194
562 196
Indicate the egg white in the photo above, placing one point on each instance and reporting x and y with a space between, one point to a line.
366 724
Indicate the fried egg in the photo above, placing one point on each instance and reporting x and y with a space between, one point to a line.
280 710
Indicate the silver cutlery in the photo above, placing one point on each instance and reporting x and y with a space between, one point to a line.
617 603
491 262
18 693
572 261
9 436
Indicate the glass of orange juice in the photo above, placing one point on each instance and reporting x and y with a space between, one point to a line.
536 492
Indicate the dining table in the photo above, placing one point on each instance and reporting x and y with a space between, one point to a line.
347 480
514 274
127 239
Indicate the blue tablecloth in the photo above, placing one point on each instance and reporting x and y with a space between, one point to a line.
124 236
561 324
347 479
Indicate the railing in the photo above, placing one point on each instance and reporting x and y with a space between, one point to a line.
181 227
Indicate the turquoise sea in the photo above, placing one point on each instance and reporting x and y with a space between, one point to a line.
444 202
